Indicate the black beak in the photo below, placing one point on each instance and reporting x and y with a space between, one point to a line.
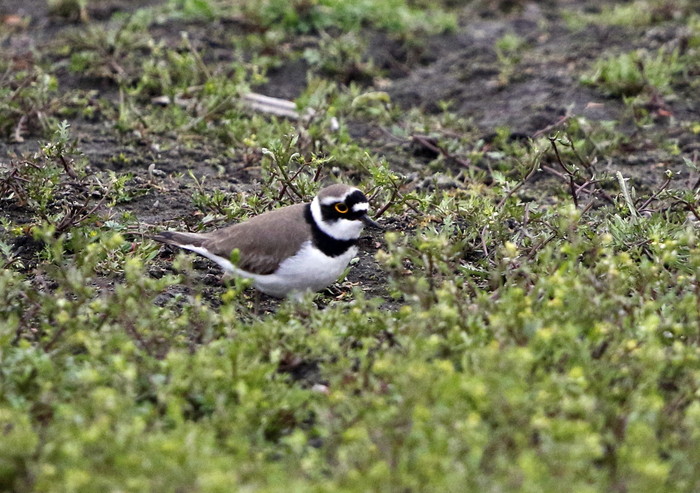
370 223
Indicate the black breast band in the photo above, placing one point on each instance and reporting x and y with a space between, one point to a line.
323 241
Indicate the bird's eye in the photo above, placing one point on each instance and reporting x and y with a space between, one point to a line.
342 208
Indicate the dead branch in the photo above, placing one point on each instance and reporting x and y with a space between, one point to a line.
569 174
433 146
546 129
656 194
20 128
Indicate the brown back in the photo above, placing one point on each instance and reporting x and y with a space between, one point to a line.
263 241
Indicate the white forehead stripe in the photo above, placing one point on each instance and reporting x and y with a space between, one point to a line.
331 200
360 206
334 199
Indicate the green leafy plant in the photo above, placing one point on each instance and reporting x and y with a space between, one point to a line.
635 13
341 57
112 54
508 51
304 17
629 74
28 102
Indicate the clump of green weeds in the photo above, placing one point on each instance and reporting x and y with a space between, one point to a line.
57 186
71 9
341 58
305 17
28 101
114 53
635 14
629 74
509 52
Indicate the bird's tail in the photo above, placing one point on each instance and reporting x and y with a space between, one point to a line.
182 240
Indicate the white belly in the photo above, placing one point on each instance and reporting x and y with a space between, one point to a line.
308 270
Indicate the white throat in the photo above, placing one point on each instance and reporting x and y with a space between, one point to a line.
340 229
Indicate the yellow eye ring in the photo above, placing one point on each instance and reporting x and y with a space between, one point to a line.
342 208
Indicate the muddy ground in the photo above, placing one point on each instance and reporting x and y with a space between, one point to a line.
461 67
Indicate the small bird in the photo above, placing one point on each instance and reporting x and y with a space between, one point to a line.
301 247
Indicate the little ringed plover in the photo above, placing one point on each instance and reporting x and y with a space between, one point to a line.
302 247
